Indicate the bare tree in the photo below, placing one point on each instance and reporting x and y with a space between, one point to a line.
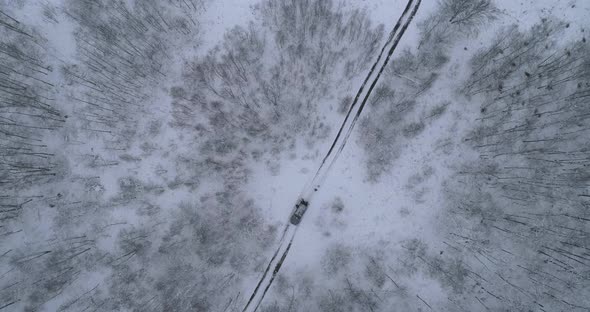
528 190
399 114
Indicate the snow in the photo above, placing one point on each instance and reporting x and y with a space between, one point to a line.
377 216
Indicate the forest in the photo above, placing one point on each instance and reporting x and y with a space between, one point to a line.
148 164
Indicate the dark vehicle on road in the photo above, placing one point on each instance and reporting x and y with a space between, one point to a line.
300 209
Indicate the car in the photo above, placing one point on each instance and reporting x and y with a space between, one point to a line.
300 209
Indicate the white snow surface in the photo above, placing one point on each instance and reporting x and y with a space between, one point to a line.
377 215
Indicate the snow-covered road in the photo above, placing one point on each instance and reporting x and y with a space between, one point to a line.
335 150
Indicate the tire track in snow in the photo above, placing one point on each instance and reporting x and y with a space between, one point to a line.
267 279
393 41
275 271
281 241
330 158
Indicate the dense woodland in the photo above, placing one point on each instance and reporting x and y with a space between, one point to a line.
125 157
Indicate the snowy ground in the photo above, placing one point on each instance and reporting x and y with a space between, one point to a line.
179 205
